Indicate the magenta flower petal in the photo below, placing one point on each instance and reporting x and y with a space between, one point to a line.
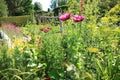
82 18
64 17
67 15
78 18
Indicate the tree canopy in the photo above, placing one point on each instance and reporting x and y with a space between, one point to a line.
37 6
19 7
3 8
56 3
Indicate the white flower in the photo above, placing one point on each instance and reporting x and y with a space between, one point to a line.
28 38
69 68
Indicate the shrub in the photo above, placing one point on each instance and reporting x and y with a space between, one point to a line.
62 8
18 20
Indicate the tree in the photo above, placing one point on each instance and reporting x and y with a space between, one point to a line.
37 6
19 7
59 6
56 3
3 8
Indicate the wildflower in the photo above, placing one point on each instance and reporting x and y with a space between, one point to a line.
107 29
114 43
45 30
28 38
11 51
41 29
94 50
18 42
104 19
11 30
32 65
69 67
65 17
78 18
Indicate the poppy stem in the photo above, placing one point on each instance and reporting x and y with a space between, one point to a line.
61 27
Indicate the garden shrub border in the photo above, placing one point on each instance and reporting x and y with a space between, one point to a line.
18 20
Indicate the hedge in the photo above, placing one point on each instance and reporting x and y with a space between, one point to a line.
60 9
18 20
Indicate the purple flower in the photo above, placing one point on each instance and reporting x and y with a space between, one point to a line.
64 17
77 18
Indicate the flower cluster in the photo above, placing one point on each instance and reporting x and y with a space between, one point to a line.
12 30
76 18
45 30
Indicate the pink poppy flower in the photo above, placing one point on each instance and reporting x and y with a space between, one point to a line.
45 30
64 17
41 29
78 18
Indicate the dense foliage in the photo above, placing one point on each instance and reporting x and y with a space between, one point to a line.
106 5
37 6
3 8
19 7
18 20
56 3
85 46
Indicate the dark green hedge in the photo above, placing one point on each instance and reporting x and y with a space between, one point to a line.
18 20
60 9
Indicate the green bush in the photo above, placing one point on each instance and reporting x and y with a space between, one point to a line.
18 20
60 9
112 16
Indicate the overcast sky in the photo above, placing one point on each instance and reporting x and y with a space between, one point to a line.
45 4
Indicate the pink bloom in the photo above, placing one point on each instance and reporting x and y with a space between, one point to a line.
41 29
45 30
17 28
64 17
78 18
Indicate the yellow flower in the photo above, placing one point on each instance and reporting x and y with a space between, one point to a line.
116 29
114 43
107 29
18 42
11 51
94 50
104 19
